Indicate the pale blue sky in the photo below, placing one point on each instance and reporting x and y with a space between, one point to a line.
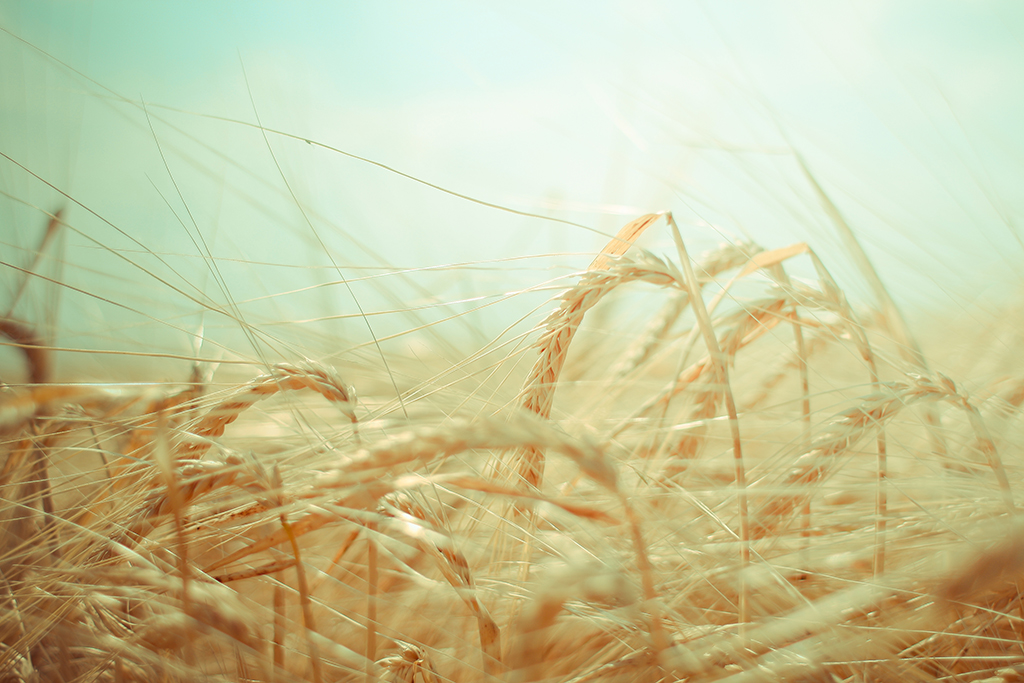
908 113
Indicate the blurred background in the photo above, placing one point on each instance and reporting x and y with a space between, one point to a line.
251 180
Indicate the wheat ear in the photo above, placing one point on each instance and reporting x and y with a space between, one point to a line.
873 413
21 406
281 377
539 389
752 322
193 480
725 257
404 667
738 331
434 541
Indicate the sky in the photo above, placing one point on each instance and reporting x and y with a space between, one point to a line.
316 171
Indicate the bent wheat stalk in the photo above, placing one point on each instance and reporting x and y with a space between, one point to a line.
721 371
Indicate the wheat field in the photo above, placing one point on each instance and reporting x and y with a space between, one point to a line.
681 457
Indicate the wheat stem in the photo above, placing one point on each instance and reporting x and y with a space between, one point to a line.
722 374
372 581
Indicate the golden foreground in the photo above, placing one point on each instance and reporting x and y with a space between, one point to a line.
759 483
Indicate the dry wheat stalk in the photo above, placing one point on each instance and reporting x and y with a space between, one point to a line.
739 330
719 363
252 572
38 356
36 352
309 625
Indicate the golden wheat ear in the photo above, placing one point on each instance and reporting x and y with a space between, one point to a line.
282 377
553 346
